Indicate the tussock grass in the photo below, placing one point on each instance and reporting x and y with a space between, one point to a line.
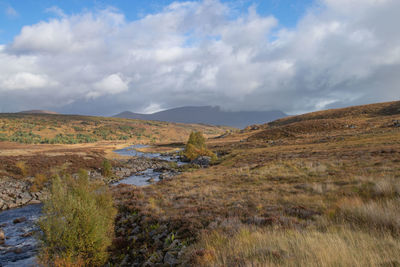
387 188
378 214
273 247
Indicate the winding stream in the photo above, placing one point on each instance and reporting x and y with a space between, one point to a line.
20 247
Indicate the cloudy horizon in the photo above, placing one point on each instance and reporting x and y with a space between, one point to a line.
195 53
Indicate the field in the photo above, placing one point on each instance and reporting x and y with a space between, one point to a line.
321 189
46 142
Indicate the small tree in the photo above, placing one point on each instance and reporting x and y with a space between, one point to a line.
107 168
77 223
196 146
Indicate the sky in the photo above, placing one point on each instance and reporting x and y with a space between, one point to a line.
103 57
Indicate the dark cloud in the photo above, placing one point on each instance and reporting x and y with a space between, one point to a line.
342 52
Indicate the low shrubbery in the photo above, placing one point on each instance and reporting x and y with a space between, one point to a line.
77 224
38 182
23 169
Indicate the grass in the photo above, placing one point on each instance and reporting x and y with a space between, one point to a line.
313 186
383 214
74 129
249 246
44 141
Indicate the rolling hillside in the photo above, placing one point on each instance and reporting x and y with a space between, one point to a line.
72 129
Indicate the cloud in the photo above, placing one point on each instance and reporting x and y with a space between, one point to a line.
198 53
24 80
112 84
56 10
11 12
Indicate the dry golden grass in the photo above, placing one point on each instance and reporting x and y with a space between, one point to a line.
250 246
340 167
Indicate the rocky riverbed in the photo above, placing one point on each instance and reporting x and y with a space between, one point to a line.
15 193
17 244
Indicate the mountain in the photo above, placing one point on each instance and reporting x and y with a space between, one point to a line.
208 115
38 111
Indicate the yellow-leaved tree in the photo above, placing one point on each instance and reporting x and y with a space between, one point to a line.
196 146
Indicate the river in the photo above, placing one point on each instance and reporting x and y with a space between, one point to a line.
20 247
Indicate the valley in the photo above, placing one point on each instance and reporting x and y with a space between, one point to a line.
279 194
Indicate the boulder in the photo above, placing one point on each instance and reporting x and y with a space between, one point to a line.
203 161
170 259
2 235
19 220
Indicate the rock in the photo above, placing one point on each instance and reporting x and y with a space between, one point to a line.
170 259
28 234
175 245
17 250
19 220
167 175
203 161
155 257
34 201
2 235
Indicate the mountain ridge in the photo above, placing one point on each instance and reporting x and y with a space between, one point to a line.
207 115
38 111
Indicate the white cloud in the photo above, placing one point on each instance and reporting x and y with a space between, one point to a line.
152 108
341 52
112 84
24 80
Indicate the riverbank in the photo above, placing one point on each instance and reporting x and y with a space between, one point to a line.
17 222
17 192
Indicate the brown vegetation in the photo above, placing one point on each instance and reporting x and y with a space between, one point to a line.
319 190
44 143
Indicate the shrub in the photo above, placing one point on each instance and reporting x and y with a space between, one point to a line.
77 223
107 168
196 146
22 168
38 182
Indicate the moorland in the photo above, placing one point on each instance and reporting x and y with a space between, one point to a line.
319 189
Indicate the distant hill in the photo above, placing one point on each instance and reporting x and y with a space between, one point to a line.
208 115
38 111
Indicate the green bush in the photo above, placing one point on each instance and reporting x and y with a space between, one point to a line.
107 168
77 224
